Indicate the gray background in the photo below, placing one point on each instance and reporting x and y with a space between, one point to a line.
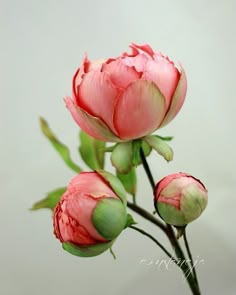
42 44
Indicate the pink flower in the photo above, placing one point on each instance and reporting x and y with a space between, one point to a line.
90 212
180 198
128 97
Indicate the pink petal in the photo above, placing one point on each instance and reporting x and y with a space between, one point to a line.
91 183
120 74
80 207
165 75
177 99
166 180
97 96
90 124
142 49
139 110
138 62
78 75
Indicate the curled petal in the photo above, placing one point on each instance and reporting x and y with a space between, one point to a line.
177 100
120 74
90 124
146 107
91 183
142 49
165 75
97 96
78 75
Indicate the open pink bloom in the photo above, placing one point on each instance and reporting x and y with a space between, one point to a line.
128 97
82 215
180 198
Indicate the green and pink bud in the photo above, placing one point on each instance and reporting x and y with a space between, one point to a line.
180 198
91 213
127 97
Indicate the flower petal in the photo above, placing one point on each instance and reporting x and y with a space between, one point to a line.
165 75
78 75
120 74
90 124
97 96
91 183
177 100
139 110
142 49
138 61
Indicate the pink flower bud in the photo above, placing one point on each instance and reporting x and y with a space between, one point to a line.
180 198
91 212
127 97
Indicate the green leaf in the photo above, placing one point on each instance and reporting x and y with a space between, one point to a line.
160 146
92 151
122 157
61 148
129 221
50 201
165 138
87 251
129 181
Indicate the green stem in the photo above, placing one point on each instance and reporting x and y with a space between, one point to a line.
147 169
190 256
155 241
145 214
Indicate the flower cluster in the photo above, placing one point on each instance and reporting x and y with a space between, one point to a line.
121 100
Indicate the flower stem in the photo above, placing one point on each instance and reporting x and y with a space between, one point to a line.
155 241
147 169
190 256
145 214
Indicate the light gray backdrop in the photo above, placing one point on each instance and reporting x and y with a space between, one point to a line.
42 44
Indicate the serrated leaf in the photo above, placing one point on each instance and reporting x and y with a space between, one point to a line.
130 220
92 151
129 181
160 146
60 147
50 201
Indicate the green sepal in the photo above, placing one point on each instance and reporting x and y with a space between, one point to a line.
165 138
180 231
137 144
92 151
109 217
122 157
87 251
129 181
60 147
112 253
50 201
160 146
129 221
136 152
115 184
